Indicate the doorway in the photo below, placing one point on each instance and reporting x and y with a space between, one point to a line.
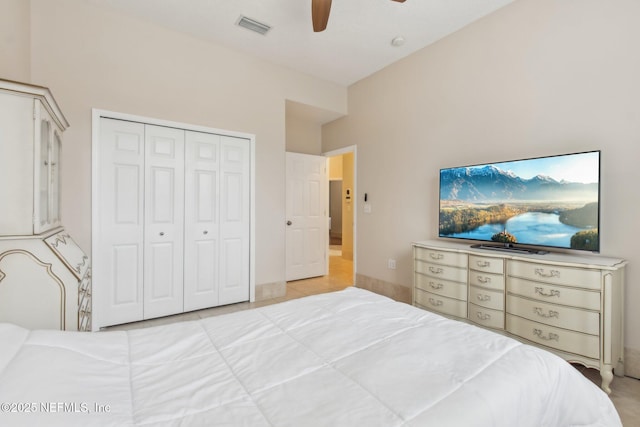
342 210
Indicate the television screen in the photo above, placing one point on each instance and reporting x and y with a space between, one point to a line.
547 201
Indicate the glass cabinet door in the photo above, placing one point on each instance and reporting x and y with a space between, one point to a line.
48 146
44 162
54 194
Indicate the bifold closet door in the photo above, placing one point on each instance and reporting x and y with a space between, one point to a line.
118 267
164 221
235 199
202 223
217 196
140 204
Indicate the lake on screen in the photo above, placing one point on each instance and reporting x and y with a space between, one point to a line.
534 228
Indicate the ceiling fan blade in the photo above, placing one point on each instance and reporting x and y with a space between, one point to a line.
399 1
320 14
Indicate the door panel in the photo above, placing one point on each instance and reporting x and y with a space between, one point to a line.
126 271
117 265
307 220
201 220
235 196
164 221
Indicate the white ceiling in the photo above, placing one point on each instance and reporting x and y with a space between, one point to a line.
356 43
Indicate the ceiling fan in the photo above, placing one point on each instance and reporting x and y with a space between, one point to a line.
320 13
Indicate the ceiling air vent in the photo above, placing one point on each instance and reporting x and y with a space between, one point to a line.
253 25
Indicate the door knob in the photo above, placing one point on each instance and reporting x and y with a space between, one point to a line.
289 223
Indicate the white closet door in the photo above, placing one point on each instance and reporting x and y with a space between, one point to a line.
164 221
118 261
235 197
201 240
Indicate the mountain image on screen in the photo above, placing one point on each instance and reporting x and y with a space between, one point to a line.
493 203
489 183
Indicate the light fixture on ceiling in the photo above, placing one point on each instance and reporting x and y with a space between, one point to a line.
253 25
397 41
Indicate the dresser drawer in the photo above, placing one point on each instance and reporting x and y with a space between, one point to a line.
560 339
575 319
580 278
486 298
445 272
440 257
554 294
486 280
487 264
486 316
444 305
442 287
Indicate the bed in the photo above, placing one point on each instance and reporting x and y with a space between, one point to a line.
348 358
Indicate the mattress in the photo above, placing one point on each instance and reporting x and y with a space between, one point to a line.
349 358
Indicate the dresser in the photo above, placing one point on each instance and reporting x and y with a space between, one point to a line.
45 278
571 305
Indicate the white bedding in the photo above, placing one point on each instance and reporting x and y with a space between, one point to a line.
350 358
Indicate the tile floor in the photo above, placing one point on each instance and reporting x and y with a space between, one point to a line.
625 391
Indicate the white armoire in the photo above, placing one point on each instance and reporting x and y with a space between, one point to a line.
172 218
45 278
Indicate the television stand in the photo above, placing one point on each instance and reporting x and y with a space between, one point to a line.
509 248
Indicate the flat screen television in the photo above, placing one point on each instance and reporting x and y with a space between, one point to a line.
528 204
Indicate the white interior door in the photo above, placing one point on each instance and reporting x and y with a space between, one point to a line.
307 218
164 221
118 210
201 240
235 219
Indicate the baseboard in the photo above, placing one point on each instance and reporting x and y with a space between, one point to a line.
266 291
394 291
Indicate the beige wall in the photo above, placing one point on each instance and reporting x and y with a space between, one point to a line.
536 78
15 40
302 135
92 57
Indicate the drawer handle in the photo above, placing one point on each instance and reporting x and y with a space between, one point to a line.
540 312
552 273
435 303
483 264
483 279
483 316
434 255
553 293
549 337
435 285
436 270
483 297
